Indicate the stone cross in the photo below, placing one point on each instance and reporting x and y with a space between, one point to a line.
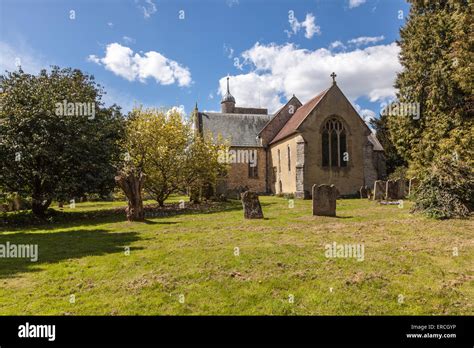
333 75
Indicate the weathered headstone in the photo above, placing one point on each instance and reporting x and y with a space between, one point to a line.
379 190
370 194
413 185
324 200
401 188
363 192
251 204
391 190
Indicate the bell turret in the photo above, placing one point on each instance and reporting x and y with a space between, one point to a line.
228 101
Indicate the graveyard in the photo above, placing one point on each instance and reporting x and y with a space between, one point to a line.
91 261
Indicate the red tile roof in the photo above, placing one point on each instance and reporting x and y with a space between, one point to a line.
300 115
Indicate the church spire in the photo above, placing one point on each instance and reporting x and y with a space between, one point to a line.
228 101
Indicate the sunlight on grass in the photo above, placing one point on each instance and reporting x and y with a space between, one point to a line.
187 263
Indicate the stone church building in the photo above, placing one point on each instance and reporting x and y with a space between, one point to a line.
324 141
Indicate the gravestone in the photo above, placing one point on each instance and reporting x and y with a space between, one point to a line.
402 188
251 204
324 200
391 190
379 190
413 185
370 194
363 192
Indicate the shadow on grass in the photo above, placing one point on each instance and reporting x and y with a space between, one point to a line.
59 246
65 219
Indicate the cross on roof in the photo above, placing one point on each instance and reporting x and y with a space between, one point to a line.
333 75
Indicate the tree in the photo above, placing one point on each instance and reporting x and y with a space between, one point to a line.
131 180
164 146
57 141
393 158
436 54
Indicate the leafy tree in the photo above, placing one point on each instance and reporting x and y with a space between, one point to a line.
164 146
50 152
392 157
436 55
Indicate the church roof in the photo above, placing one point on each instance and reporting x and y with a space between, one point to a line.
239 129
301 113
373 139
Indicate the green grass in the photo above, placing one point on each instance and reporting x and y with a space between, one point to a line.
192 254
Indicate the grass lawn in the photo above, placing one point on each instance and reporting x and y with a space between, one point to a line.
185 264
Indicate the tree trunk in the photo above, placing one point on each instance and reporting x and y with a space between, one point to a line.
195 195
131 182
39 206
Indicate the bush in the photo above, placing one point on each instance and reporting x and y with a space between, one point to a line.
446 191
398 173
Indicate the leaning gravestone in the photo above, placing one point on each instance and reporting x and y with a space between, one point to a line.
363 192
379 190
391 191
402 188
251 204
324 200
413 185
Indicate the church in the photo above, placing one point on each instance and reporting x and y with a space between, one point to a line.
324 141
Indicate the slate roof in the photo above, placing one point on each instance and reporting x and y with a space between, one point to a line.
240 129
301 113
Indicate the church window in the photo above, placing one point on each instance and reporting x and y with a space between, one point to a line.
334 144
253 170
279 161
289 158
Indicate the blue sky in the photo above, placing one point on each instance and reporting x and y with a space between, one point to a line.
142 52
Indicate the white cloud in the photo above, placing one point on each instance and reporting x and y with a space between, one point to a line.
356 3
308 24
123 62
110 24
128 39
366 114
336 44
147 6
13 57
231 3
366 40
279 71
179 109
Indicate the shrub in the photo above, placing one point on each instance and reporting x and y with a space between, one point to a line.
399 173
446 190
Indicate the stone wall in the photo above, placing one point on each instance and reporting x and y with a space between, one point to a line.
238 174
348 179
287 177
370 170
